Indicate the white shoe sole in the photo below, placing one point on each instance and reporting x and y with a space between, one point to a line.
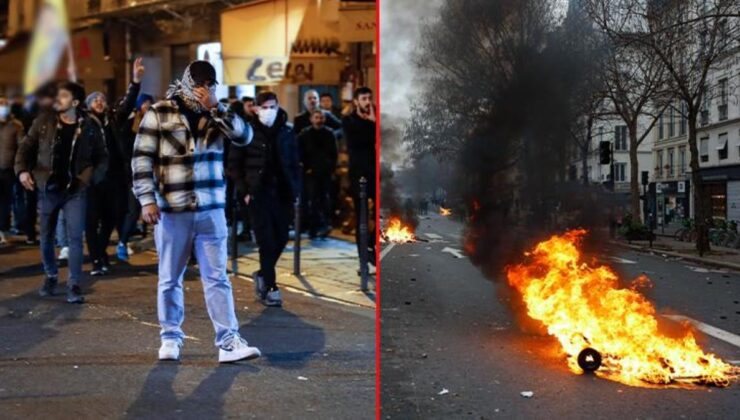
230 357
165 357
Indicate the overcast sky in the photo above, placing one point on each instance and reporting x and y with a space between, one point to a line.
400 21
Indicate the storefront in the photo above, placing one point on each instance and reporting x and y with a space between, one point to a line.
296 45
671 201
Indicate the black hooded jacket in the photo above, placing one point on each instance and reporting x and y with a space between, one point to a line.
250 166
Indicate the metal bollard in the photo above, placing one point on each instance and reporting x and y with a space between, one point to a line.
297 239
363 234
234 240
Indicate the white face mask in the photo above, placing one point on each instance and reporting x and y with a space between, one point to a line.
4 111
267 116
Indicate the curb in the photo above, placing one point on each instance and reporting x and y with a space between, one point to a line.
147 244
705 261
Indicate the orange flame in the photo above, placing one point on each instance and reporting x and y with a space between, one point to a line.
583 306
445 212
398 233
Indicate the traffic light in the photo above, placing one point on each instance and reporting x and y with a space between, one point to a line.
605 153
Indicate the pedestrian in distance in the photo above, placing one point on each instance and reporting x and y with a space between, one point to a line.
11 133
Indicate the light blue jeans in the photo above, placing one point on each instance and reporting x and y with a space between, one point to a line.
176 235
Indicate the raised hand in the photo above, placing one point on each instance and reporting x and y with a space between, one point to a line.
138 70
206 97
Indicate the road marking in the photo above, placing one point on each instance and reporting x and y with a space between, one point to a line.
385 252
622 260
707 329
456 252
433 236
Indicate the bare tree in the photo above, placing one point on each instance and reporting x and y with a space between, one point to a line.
690 38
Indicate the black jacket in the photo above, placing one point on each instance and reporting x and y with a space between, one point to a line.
360 136
11 133
89 158
318 151
303 120
123 132
247 165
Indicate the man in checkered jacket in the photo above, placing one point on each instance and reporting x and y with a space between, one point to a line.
178 176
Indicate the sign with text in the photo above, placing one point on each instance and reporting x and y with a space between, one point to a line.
263 71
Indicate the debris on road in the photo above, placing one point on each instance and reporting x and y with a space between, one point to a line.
444 391
302 378
527 394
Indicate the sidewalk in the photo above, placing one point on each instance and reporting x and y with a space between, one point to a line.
328 269
718 256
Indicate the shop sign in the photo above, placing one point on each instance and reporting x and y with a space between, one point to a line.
274 70
681 186
659 188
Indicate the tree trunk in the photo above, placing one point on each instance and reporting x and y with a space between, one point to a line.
634 172
700 216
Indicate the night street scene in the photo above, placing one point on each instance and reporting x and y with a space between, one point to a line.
214 159
559 207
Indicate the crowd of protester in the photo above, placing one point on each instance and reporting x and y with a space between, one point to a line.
66 172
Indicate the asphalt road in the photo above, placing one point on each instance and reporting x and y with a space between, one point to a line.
98 360
445 327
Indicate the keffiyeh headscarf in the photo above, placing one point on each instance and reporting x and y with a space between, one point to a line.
183 89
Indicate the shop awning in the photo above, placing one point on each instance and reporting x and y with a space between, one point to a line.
256 39
722 141
296 41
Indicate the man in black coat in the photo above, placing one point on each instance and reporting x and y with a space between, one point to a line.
107 198
268 180
319 158
359 131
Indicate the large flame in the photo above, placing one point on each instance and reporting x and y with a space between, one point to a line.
583 306
445 212
397 232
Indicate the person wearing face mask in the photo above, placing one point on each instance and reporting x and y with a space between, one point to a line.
359 132
11 133
103 197
268 180
179 180
60 157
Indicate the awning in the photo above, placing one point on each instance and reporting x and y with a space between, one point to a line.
722 142
256 39
294 41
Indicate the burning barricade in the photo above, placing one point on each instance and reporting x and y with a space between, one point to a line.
397 232
606 328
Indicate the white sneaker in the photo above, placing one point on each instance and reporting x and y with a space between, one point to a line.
170 350
371 269
129 250
64 253
237 350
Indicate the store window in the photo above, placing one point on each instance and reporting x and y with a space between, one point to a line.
715 199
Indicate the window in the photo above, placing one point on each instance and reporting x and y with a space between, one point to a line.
722 106
722 146
682 160
660 127
670 161
620 137
659 164
704 149
683 125
671 122
620 172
